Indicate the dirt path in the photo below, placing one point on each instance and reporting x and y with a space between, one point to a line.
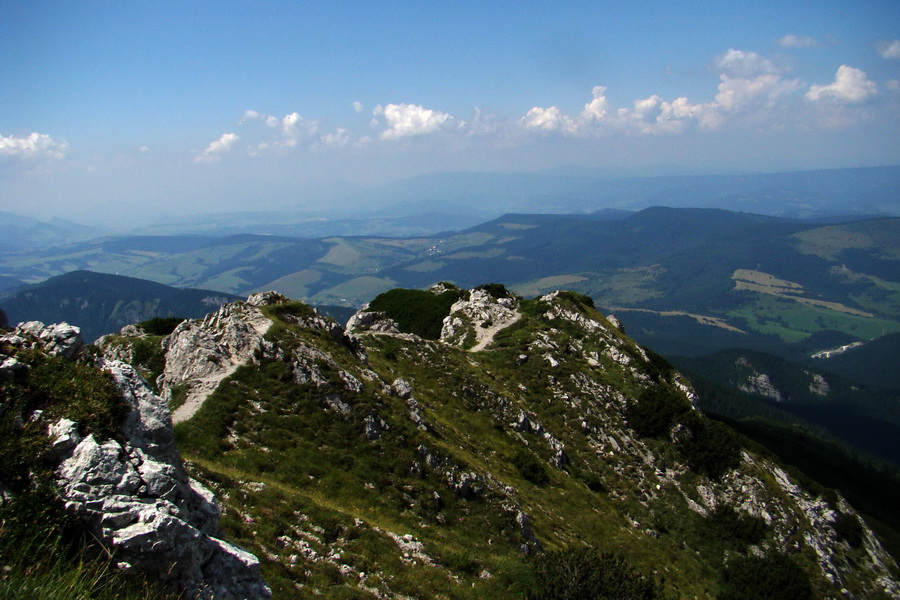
486 335
201 389
198 393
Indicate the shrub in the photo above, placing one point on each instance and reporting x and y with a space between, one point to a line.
713 448
530 468
774 577
736 529
580 300
849 529
417 311
584 573
496 290
160 325
655 411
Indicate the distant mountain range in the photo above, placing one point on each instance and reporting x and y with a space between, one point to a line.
684 281
450 201
801 194
100 303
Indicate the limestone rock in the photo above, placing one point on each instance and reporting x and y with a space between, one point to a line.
267 299
477 317
136 498
60 339
372 322
200 353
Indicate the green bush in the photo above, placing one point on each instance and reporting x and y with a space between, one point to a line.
160 325
735 529
713 448
530 468
417 311
580 300
655 411
585 574
59 388
774 577
496 290
849 529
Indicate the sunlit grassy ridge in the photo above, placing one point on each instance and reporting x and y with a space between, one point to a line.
341 492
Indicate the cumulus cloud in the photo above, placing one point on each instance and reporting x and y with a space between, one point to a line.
654 116
749 83
739 92
850 86
338 139
216 149
744 65
358 106
597 108
549 119
748 79
33 146
889 49
405 120
651 116
250 115
797 41
294 127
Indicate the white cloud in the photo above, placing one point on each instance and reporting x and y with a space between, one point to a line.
749 79
358 106
33 146
737 92
648 116
654 115
406 120
338 139
597 108
744 65
214 151
893 84
250 115
797 41
549 119
293 127
889 49
850 86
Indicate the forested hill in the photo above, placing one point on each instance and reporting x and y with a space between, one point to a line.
100 303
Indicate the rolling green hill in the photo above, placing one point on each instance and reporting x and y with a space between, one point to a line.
716 278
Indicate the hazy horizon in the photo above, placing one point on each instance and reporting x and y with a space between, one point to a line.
125 113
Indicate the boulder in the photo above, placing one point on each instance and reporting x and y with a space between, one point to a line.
135 497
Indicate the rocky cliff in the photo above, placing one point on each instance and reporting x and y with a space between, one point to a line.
129 489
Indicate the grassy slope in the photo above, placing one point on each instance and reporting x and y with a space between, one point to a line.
286 467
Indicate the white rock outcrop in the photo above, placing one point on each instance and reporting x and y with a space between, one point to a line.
200 353
134 495
477 318
60 339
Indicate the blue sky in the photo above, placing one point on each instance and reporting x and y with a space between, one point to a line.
127 110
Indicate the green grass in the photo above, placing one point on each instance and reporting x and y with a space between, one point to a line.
793 322
288 467
44 551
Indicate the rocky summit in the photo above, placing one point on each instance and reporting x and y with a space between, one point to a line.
446 444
